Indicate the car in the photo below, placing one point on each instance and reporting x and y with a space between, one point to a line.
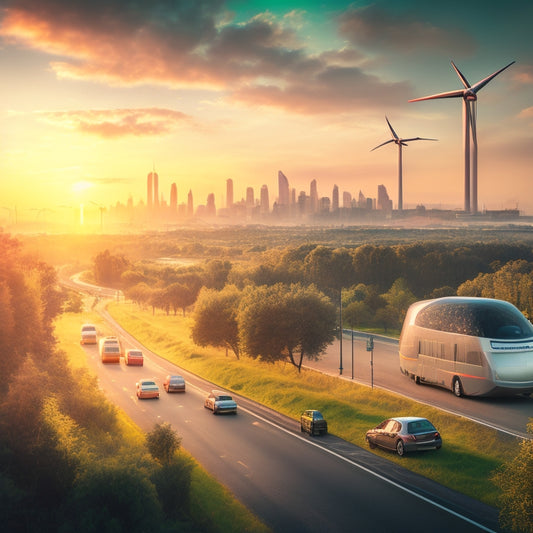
111 341
134 357
312 422
147 388
405 434
88 334
220 402
174 383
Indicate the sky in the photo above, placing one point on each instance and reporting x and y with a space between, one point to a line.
96 94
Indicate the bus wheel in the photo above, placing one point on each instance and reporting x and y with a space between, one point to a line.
417 380
457 388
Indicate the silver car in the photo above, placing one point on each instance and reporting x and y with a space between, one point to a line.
405 434
174 384
220 402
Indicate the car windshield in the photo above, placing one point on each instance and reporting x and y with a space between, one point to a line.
148 383
88 328
317 416
136 354
223 398
176 379
420 426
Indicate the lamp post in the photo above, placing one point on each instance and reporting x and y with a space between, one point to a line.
340 339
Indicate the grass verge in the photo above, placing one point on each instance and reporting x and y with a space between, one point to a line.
466 462
213 508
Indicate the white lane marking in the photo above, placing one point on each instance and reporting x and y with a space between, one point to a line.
371 472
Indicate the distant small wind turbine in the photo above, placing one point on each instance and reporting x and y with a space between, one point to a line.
400 142
469 96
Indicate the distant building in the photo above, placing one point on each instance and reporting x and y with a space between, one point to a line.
335 198
250 201
149 191
283 190
346 199
190 205
229 193
384 202
313 196
210 208
264 201
174 198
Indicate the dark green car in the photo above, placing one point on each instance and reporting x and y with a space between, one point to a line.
313 422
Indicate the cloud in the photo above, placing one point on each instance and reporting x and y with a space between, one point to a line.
183 43
118 122
373 27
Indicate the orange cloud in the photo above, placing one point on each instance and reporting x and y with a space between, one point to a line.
184 43
118 122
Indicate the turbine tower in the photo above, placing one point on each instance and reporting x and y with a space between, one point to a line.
469 96
400 142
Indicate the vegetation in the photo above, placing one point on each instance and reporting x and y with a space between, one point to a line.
70 461
516 482
350 408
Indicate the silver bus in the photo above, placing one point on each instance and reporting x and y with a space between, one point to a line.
472 346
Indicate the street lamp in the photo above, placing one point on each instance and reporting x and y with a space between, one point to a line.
340 339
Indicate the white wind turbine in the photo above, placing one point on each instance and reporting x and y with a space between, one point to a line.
399 142
469 96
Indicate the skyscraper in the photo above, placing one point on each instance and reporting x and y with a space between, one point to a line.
190 206
229 193
313 194
335 198
283 189
149 191
210 208
250 201
264 201
173 197
384 202
156 190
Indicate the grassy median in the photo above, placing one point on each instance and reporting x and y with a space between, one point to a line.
470 454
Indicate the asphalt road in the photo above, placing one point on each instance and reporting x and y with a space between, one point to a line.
292 482
509 414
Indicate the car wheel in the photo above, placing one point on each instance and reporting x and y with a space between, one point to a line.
457 387
400 448
302 428
417 380
371 445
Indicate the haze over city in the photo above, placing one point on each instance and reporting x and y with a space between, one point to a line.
95 97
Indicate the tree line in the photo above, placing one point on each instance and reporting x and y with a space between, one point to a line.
64 463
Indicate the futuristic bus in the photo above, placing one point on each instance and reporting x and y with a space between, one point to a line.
472 346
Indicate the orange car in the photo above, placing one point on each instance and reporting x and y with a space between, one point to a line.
134 357
147 388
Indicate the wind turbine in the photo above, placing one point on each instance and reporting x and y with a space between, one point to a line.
400 142
469 96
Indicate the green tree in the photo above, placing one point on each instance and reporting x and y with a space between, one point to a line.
516 483
163 442
108 268
281 322
215 318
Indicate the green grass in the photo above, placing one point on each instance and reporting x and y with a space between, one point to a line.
470 453
214 509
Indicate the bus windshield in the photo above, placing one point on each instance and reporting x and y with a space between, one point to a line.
485 318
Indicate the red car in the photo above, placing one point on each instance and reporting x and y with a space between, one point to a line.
134 357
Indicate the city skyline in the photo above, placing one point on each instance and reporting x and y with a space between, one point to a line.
237 90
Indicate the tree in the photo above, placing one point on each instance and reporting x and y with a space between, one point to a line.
516 483
280 322
163 442
215 318
107 268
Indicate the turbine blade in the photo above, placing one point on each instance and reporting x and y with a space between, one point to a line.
419 139
461 76
391 129
449 94
382 144
480 84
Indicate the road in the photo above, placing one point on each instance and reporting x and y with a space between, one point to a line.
509 414
292 482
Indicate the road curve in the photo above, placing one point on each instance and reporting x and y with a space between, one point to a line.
290 481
